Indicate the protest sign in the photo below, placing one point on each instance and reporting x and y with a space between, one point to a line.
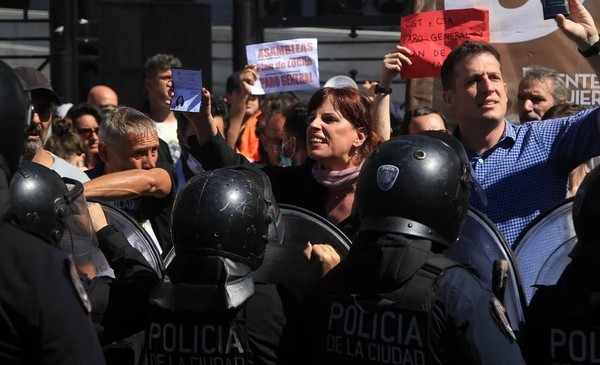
524 39
285 65
432 35
187 86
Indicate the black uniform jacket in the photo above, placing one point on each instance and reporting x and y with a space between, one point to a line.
351 317
43 319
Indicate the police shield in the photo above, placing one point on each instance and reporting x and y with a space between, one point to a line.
285 263
135 234
542 249
480 245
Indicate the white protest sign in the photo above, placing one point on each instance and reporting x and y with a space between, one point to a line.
285 65
187 86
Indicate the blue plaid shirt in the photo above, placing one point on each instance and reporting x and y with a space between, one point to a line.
527 171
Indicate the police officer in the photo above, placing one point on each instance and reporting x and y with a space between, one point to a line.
55 209
43 319
208 309
395 299
562 321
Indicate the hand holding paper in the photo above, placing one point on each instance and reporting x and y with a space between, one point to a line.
393 63
203 122
580 26
249 81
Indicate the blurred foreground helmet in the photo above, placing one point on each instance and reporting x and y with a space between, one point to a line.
416 185
15 109
52 208
586 212
16 115
221 213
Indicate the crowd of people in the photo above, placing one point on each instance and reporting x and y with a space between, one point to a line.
209 190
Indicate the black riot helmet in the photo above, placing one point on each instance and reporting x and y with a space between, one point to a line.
586 210
277 224
15 110
221 213
416 185
47 205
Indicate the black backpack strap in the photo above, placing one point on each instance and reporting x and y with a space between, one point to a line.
419 291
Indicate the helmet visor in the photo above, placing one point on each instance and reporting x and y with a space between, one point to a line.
79 238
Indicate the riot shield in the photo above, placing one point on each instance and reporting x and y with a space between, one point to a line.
542 249
479 246
135 234
129 348
285 263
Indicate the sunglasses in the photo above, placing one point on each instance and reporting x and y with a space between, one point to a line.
86 133
42 109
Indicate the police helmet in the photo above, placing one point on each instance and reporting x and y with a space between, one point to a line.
416 185
221 213
586 210
42 203
15 110
276 221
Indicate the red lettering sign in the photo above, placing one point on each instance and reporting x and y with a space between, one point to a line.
432 35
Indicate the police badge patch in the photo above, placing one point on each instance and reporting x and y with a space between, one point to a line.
386 176
81 293
499 314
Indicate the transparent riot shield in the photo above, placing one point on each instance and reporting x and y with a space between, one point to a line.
135 234
542 249
285 263
479 246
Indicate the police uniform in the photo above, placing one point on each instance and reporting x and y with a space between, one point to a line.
393 301
44 319
562 322
209 309
118 305
249 334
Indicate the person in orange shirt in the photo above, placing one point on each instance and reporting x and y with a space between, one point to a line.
244 138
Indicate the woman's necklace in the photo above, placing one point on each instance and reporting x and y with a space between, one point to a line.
341 194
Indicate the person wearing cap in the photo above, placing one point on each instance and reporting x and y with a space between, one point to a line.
104 98
44 100
242 135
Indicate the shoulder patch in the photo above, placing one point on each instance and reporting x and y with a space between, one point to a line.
499 314
82 294
386 176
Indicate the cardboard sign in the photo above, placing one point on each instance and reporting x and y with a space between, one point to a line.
432 35
285 65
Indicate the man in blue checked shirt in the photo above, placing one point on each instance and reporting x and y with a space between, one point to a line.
522 169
